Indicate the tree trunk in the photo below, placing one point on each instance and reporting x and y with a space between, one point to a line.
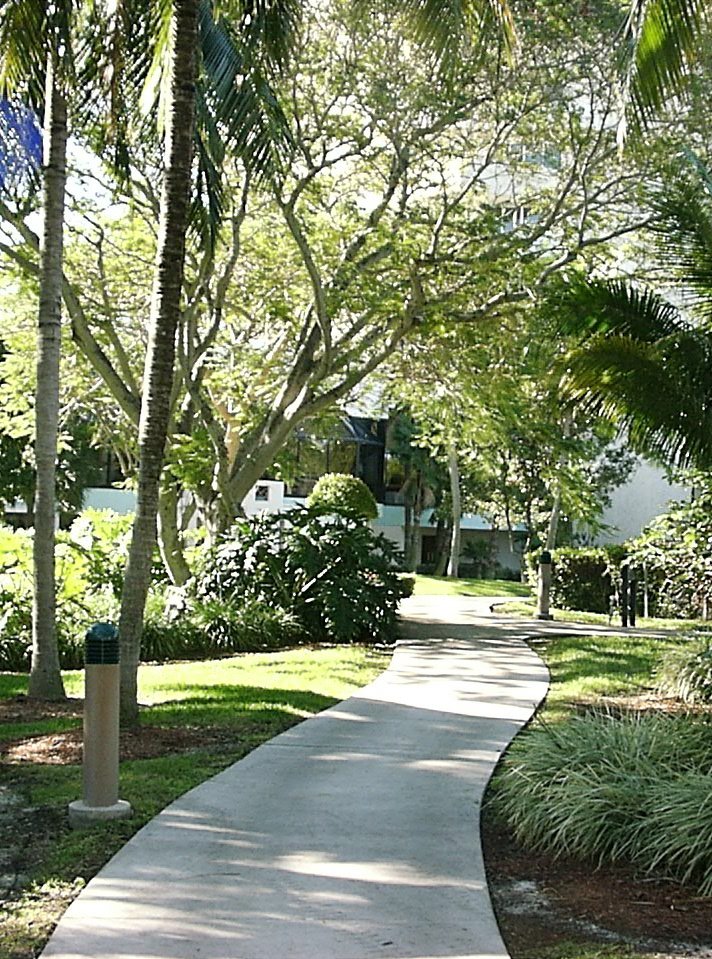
408 534
45 677
160 355
415 534
553 527
442 547
169 536
453 568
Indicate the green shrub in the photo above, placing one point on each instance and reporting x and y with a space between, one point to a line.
582 578
601 787
685 672
334 575
102 537
344 495
89 561
214 628
407 584
676 550
249 626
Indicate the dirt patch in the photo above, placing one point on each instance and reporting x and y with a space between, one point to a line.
542 901
145 742
21 709
65 748
645 702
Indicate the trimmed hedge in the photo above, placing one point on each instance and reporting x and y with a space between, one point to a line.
344 495
582 578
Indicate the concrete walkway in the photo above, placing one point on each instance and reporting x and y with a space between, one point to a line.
353 835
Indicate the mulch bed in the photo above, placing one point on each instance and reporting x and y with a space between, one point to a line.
541 900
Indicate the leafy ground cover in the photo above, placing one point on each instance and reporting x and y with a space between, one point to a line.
555 906
197 719
442 586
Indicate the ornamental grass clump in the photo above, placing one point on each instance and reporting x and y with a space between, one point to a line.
599 787
685 673
678 838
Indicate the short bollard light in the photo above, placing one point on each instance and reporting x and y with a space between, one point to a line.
101 731
543 586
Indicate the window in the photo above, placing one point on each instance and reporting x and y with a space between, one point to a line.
262 493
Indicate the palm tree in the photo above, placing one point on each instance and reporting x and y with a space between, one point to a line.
661 42
36 61
163 323
641 360
38 66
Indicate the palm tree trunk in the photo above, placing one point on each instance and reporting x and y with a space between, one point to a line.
453 568
45 677
160 355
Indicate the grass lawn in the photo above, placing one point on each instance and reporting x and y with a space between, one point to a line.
233 705
525 607
442 586
585 669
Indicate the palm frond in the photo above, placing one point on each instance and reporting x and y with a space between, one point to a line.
23 49
113 56
208 205
442 27
661 393
236 112
585 308
267 26
683 227
156 86
661 40
238 90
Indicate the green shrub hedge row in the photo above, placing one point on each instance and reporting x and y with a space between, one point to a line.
582 578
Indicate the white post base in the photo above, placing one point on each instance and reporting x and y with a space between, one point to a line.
82 816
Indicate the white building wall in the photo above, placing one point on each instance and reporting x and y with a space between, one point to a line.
120 500
268 496
645 495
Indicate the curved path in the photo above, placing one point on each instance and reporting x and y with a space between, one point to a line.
353 835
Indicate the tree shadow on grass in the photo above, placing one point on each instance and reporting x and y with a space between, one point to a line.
230 704
628 659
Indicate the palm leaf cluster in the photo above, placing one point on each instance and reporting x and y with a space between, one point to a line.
662 39
640 359
441 27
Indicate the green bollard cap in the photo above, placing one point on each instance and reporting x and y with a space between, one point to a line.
101 645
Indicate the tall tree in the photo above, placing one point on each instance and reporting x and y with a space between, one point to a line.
276 21
37 45
163 322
